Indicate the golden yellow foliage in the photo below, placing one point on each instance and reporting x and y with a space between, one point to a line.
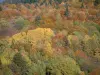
12 6
18 36
82 73
48 48
76 4
86 37
39 35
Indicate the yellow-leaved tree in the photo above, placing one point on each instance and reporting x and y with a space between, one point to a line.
40 39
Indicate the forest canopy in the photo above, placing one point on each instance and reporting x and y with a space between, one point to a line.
96 2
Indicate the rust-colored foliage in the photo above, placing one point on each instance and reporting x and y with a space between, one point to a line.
81 54
90 4
95 72
47 22
97 21
92 11
44 31
59 36
24 11
81 15
9 13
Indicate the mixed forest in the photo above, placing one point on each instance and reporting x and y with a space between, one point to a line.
50 37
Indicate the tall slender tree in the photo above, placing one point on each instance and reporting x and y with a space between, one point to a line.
66 6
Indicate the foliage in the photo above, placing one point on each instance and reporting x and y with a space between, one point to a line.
62 40
97 2
4 24
7 71
0 8
21 23
23 62
3 45
56 65
63 65
35 42
13 6
95 71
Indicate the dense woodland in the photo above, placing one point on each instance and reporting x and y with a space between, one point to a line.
49 1
50 37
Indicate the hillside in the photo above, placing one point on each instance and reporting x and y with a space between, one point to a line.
50 37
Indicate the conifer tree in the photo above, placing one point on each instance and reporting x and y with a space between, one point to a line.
82 6
66 6
96 2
